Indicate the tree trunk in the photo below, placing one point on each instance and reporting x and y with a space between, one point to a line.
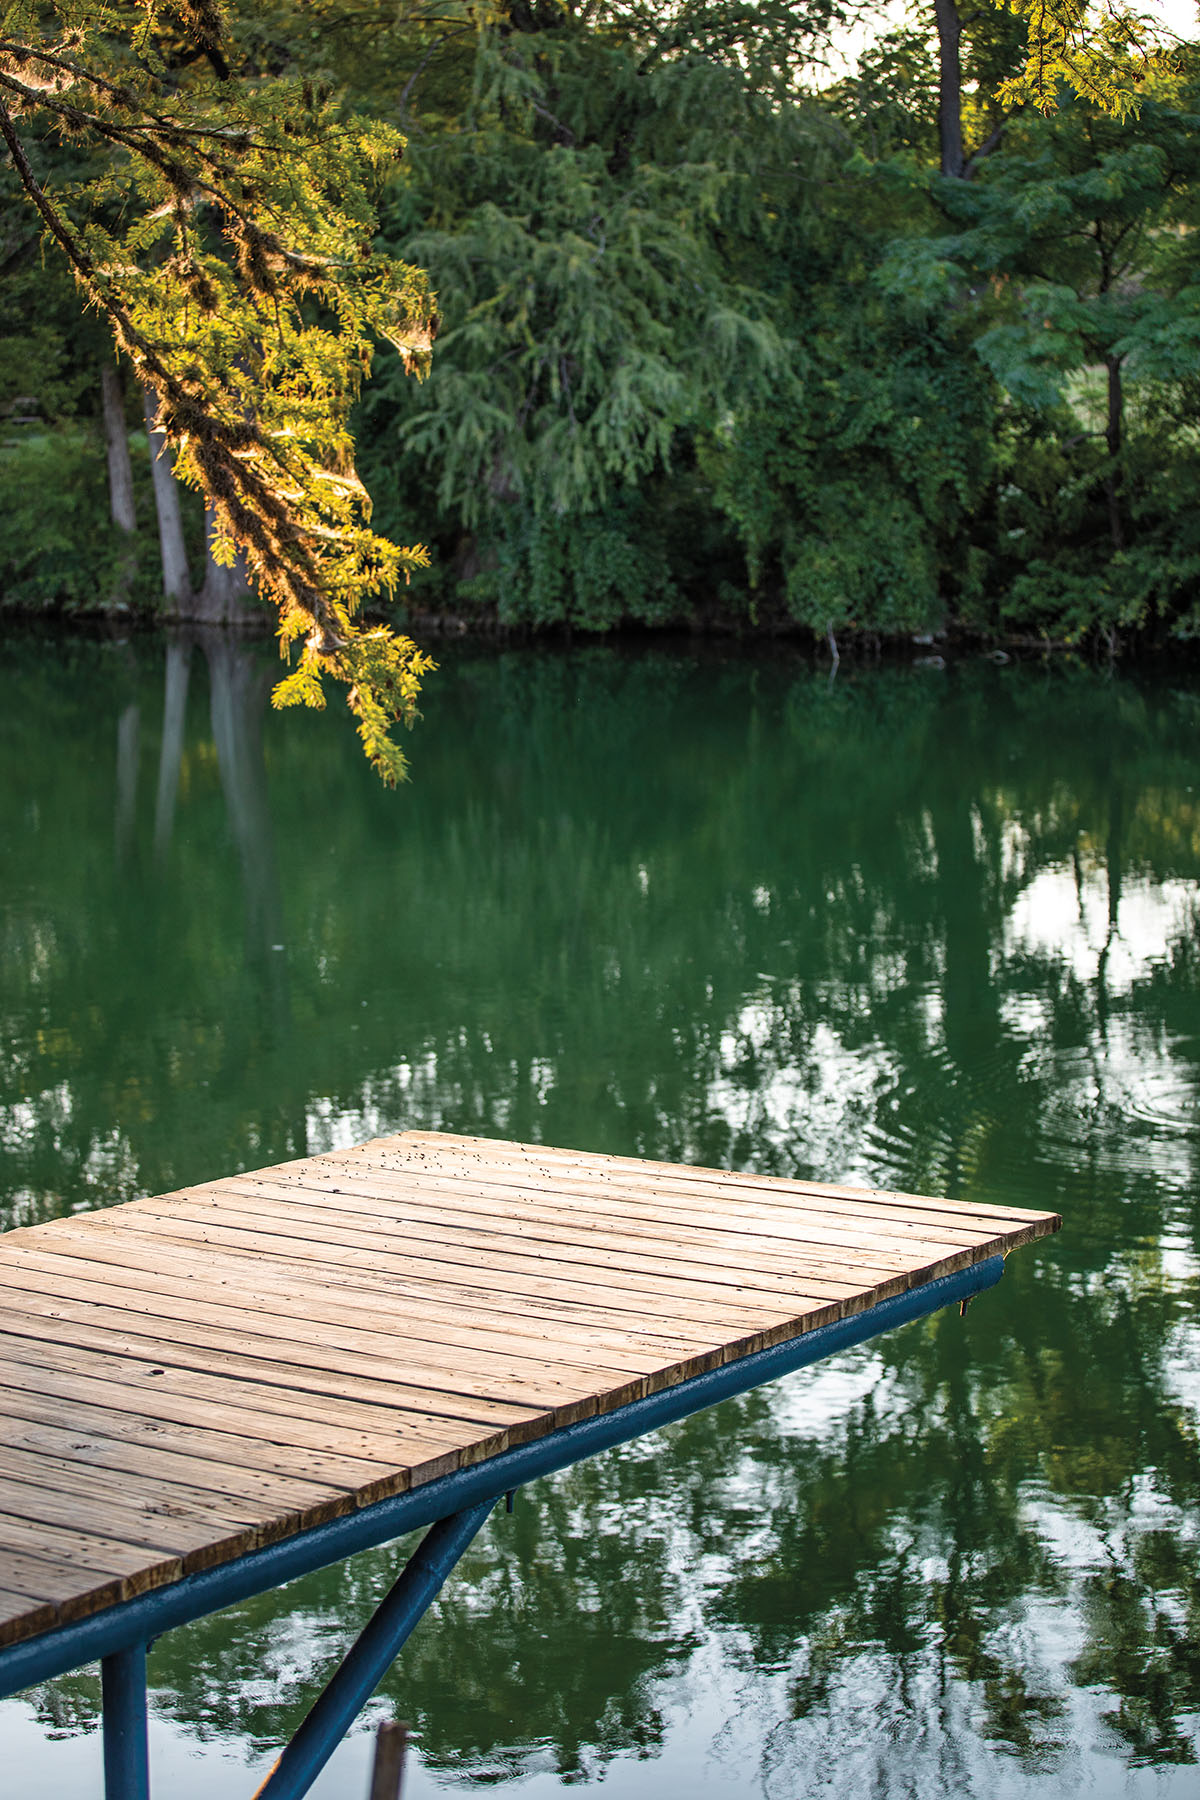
224 598
1113 433
177 583
949 30
116 444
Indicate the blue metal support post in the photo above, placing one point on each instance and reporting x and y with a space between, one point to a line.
368 1660
126 1741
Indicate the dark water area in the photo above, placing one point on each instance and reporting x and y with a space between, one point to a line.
932 929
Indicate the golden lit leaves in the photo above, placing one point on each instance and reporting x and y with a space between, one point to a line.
225 230
1101 52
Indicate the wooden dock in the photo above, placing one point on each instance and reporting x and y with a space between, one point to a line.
190 1377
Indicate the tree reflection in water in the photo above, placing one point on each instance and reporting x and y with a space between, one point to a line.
934 932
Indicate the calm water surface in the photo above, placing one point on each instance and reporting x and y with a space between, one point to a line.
932 929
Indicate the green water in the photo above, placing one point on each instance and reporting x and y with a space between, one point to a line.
930 928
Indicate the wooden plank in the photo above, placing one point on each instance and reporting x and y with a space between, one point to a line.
424 1410
659 1206
87 1572
364 1204
224 1459
658 1209
227 1281
556 1386
76 1547
20 1617
300 1239
515 1272
373 1335
204 1491
472 1289
95 1439
55 1586
475 1291
73 1589
305 1233
636 1172
309 1298
245 1438
519 1226
567 1400
428 1410
257 1401
39 1579
191 1528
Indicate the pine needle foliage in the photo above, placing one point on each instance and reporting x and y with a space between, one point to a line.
596 227
1081 239
1101 52
224 230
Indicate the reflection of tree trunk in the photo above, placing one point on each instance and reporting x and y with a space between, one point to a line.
974 1031
524 1128
972 1019
179 656
128 745
1114 853
239 686
177 584
1114 858
296 1130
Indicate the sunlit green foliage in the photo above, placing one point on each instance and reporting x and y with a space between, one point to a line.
1100 49
224 233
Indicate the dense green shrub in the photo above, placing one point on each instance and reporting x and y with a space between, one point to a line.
58 545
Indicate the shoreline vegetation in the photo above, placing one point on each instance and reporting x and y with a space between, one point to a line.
701 634
221 604
728 342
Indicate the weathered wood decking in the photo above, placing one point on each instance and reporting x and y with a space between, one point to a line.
188 1377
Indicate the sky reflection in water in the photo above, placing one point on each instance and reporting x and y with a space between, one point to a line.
931 931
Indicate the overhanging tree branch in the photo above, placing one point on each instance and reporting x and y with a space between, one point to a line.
240 282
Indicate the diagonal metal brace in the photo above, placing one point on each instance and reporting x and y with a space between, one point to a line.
368 1660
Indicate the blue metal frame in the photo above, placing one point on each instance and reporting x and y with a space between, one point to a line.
126 1739
370 1658
455 1504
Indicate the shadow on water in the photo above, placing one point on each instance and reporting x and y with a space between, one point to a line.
931 931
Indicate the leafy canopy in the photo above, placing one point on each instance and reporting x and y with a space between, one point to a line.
224 229
1100 51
